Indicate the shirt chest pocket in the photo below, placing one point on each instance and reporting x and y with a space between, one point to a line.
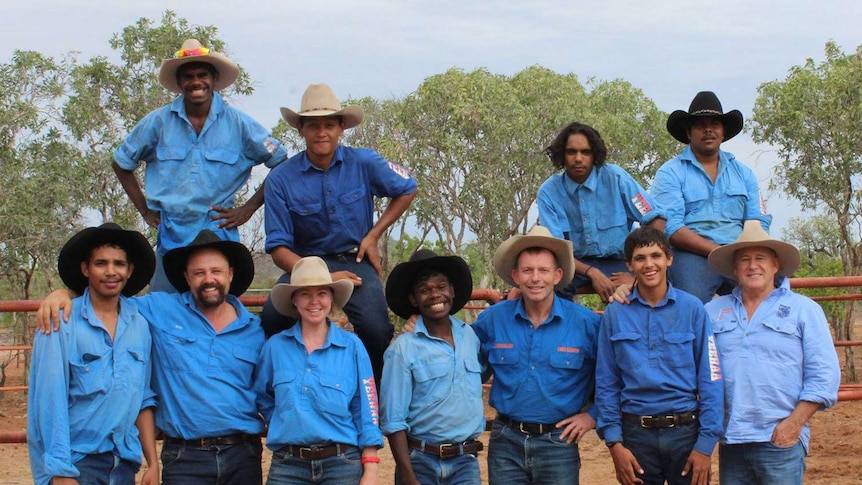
679 351
334 396
782 341
223 172
502 356
734 201
695 191
355 211
566 361
431 380
90 374
284 388
133 367
178 353
174 171
237 360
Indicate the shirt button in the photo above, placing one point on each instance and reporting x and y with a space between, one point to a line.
304 389
652 347
308 370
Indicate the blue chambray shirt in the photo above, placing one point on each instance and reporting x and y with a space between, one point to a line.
714 211
328 396
656 360
187 173
315 213
783 355
86 391
541 375
432 390
598 214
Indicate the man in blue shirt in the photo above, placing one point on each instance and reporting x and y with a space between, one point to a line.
779 361
431 398
658 381
90 403
199 153
594 205
321 203
706 193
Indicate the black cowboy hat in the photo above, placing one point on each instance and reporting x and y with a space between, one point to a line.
238 257
705 103
400 281
77 249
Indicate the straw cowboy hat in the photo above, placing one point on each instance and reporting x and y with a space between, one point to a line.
77 250
307 272
399 285
193 51
320 100
506 255
238 257
753 235
705 103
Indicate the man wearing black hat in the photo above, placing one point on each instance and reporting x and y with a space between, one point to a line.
205 346
90 382
706 193
431 397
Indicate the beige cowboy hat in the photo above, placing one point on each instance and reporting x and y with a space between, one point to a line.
320 100
506 255
307 272
193 51
753 235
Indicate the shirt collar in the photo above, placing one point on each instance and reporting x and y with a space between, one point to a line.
590 183
556 311
333 337
422 329
782 288
243 316
178 106
670 296
305 163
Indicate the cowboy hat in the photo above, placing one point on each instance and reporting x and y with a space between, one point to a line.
320 100
193 51
753 235
400 283
307 272
139 253
238 257
705 103
506 256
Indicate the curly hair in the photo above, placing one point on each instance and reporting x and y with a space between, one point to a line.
556 151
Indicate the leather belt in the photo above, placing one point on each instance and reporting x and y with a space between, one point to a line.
349 254
315 452
526 428
227 440
446 450
662 420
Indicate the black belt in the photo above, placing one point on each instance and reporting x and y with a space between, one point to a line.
315 452
227 440
351 253
662 420
446 450
526 428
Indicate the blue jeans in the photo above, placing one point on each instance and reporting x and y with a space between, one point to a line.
433 470
516 458
761 464
661 452
160 279
343 469
366 310
605 265
691 273
215 465
106 469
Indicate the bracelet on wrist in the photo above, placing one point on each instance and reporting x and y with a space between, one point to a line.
587 272
369 459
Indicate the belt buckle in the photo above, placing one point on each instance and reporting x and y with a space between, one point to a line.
445 448
303 450
643 422
521 428
671 420
208 442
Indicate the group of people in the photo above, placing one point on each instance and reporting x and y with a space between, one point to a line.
662 375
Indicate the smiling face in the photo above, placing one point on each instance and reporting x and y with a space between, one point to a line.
107 271
706 135
536 274
578 158
433 297
321 136
755 268
649 265
313 303
209 275
196 82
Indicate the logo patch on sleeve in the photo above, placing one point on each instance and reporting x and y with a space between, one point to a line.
642 205
401 171
714 365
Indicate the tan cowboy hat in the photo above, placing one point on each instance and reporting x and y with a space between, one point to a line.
705 103
193 51
307 272
753 235
506 255
320 100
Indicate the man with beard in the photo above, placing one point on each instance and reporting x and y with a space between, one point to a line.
205 346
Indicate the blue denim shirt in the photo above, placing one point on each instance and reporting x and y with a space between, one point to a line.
783 355
187 173
714 211
203 379
328 396
86 390
315 213
432 390
598 214
656 360
541 375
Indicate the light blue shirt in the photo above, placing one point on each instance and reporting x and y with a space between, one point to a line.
715 211
658 360
187 173
432 390
783 355
203 378
86 391
598 214
327 396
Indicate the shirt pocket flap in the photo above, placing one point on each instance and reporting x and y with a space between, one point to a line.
426 371
138 354
622 336
283 376
172 152
331 382
678 337
472 365
566 360
305 209
245 354
353 196
222 155
722 326
502 356
782 326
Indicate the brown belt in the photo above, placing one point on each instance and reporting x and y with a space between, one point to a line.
446 450
662 420
227 440
315 452
526 428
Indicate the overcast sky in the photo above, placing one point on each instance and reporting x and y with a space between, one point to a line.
385 48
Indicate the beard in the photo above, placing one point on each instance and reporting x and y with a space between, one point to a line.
210 300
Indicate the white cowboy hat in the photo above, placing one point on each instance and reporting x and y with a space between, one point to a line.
193 51
753 235
320 100
307 272
506 256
